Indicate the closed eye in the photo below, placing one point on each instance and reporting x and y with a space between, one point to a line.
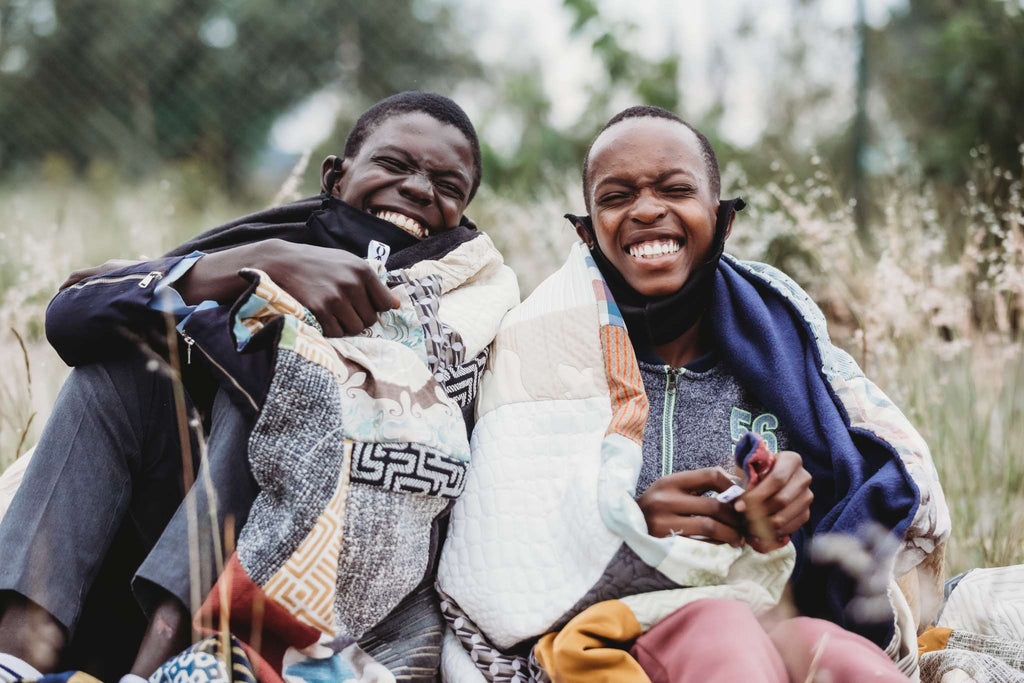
678 189
612 197
392 164
451 190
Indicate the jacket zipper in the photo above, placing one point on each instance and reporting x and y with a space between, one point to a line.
192 342
188 350
144 280
667 433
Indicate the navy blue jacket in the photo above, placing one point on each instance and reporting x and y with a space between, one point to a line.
109 316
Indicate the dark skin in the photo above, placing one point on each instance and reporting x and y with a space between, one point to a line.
411 164
649 184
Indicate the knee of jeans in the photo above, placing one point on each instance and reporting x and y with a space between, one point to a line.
126 379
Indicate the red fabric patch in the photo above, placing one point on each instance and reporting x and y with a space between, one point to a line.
265 628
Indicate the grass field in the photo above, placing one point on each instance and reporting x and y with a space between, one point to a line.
933 312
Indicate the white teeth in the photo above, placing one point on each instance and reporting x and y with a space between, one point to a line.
410 225
653 248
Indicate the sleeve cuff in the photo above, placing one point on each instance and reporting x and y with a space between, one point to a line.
166 298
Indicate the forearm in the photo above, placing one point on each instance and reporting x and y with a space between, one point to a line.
215 276
97 318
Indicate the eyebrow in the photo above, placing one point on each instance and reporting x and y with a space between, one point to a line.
616 180
394 149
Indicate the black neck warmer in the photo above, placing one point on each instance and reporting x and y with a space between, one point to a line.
656 321
352 230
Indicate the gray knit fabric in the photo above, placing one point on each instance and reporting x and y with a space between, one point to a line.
986 659
295 452
711 412
708 409
384 555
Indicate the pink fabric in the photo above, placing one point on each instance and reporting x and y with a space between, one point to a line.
721 640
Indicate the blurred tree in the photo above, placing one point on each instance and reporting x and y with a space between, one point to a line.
545 152
142 82
953 75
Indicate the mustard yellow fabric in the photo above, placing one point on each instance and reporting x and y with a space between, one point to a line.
593 647
933 639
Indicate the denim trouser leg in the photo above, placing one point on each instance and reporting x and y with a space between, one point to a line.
108 455
224 489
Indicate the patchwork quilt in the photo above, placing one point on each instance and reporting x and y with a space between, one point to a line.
360 445
548 513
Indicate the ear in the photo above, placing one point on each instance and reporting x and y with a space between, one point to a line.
331 171
732 214
583 228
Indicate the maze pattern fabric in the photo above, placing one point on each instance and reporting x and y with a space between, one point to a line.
357 449
407 468
461 382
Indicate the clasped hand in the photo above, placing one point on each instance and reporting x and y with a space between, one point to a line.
764 516
340 289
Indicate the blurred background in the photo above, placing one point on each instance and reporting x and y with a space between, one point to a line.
879 144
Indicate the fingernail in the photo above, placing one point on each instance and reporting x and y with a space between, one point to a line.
740 506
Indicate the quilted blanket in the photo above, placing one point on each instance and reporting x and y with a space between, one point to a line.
548 503
360 445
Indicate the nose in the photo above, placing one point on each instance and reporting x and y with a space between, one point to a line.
417 188
647 208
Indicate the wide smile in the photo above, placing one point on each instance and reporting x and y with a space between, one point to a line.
654 250
407 223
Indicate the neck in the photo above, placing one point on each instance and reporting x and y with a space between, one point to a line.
686 348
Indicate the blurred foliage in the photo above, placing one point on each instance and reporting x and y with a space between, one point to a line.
114 88
545 152
953 75
142 83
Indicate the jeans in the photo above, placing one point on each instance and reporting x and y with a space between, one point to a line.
109 466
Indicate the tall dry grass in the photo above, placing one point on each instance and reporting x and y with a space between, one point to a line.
933 312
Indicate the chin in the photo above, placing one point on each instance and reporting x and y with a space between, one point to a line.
656 289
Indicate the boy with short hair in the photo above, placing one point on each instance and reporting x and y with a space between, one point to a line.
411 166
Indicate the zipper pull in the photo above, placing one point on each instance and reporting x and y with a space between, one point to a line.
146 281
189 341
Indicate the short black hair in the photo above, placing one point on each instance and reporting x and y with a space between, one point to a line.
650 111
439 107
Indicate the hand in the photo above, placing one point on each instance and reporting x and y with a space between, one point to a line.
673 504
112 264
779 505
339 288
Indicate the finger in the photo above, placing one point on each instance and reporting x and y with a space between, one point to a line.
708 527
364 309
782 472
349 321
677 503
329 325
764 545
380 296
792 517
791 491
699 481
78 276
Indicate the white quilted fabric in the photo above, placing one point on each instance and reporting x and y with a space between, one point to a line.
456 666
472 273
989 602
515 558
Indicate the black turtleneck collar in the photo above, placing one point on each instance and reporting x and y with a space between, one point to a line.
653 321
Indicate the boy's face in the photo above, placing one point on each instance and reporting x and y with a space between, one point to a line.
651 203
413 171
